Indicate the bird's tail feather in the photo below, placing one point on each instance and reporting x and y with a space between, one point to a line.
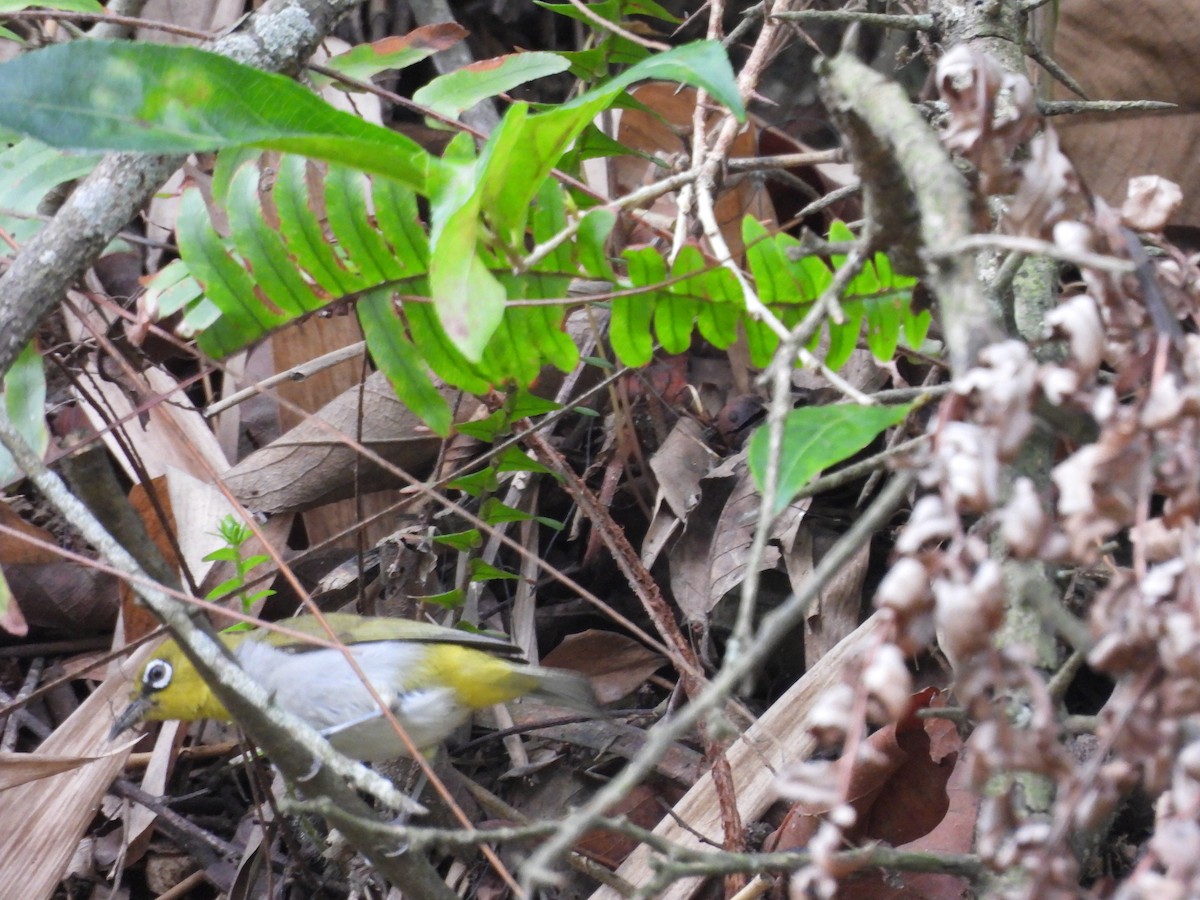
564 688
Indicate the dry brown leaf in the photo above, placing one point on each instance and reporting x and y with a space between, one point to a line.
15 550
836 611
308 466
1150 55
65 596
172 434
897 786
617 665
644 806
735 529
45 819
679 464
139 620
21 768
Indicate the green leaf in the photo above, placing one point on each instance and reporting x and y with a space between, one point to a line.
440 353
460 540
225 588
482 571
350 219
814 438
629 330
468 298
400 221
916 327
28 171
446 600
244 316
400 361
674 316
262 248
477 483
172 289
768 263
25 406
844 338
494 512
523 149
587 65
457 91
302 231
883 325
397 52
153 98
593 234
514 460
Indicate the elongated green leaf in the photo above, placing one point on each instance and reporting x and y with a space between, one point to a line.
118 95
613 10
457 91
350 219
883 326
524 148
244 314
814 438
400 361
468 298
629 330
844 338
28 171
398 218
262 248
302 231
397 52
173 289
594 230
25 406
441 354
768 264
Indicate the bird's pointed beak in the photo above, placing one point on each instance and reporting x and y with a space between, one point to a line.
134 713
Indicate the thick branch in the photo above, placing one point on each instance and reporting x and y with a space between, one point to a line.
914 197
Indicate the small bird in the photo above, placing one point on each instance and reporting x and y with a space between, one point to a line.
432 678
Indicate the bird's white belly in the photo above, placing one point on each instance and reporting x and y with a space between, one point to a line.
320 687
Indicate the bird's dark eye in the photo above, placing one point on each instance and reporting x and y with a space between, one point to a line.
157 675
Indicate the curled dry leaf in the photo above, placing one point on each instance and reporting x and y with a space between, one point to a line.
967 458
929 522
887 680
968 613
1078 320
1150 202
1049 189
992 112
1001 386
1023 521
830 716
905 588
897 786
1156 540
812 785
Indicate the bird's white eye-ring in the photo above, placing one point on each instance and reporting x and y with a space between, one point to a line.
157 675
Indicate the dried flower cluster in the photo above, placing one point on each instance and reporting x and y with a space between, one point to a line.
1121 498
